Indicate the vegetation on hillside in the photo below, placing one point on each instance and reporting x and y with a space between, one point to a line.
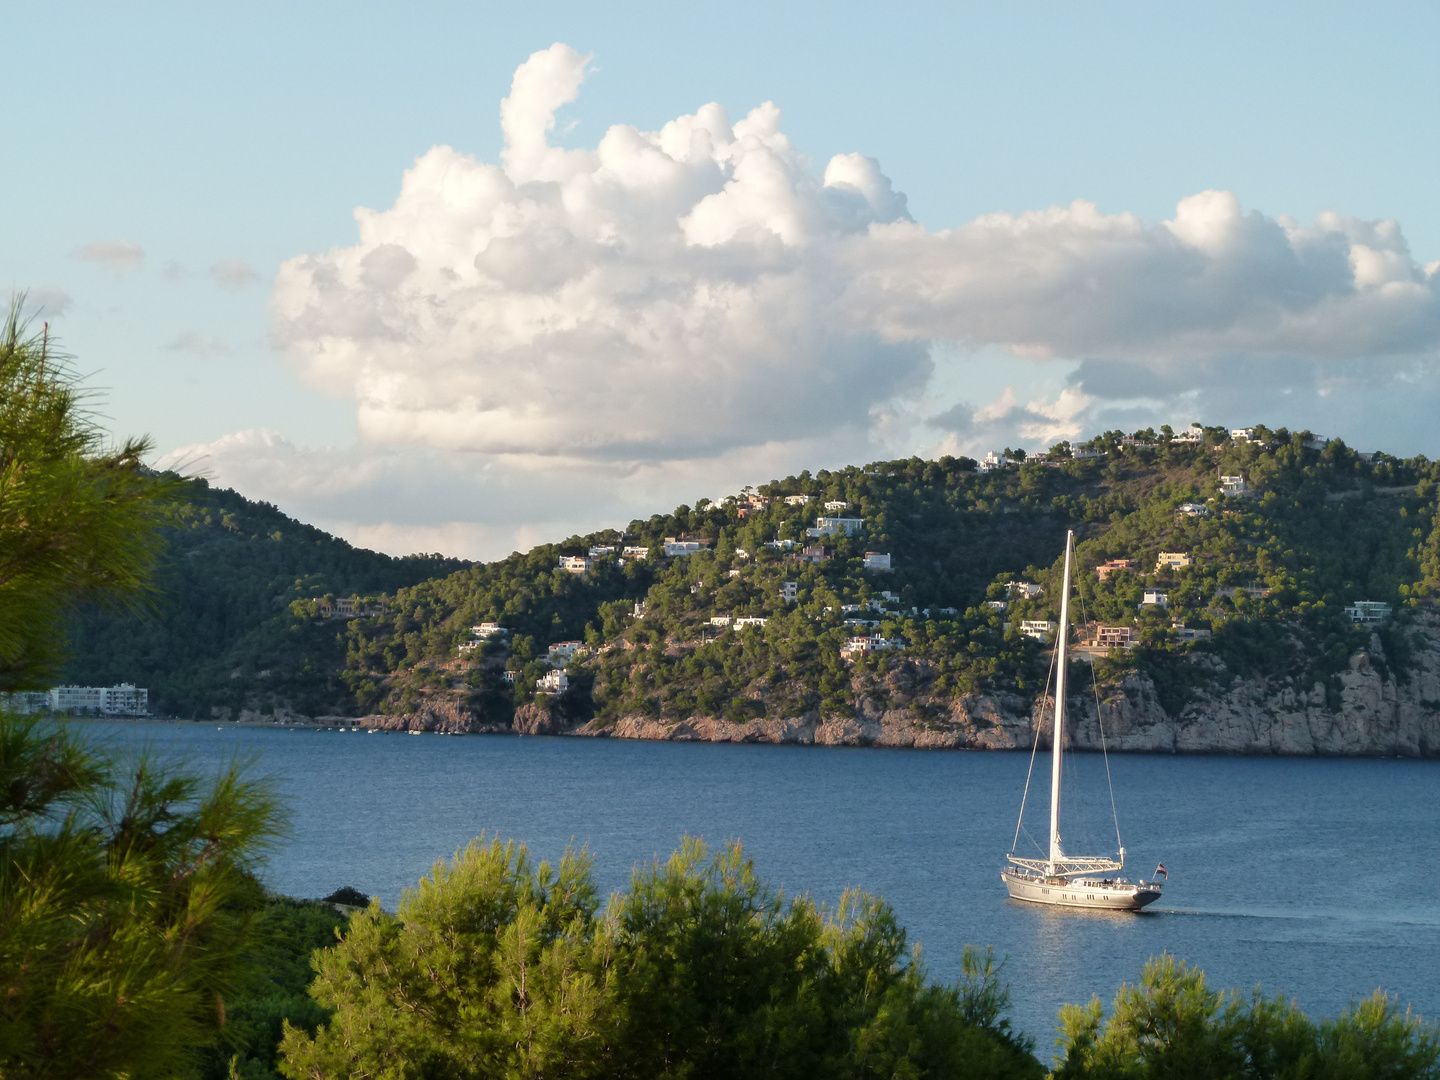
221 633
1317 528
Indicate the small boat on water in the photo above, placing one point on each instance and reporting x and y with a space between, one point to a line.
1062 880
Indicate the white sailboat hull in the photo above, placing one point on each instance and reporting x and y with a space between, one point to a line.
1101 895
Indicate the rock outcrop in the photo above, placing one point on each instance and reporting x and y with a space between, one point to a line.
1372 708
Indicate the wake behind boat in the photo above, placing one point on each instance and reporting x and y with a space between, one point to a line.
1082 881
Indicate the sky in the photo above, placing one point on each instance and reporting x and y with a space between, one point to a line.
467 277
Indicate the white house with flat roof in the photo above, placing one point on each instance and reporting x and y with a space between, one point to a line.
1039 629
875 560
833 526
1367 611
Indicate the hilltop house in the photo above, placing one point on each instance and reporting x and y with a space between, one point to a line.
576 564
1173 560
1242 434
1194 435
992 462
1081 454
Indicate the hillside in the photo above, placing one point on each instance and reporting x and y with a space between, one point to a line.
222 637
1263 570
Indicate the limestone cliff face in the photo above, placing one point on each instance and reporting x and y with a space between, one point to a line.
1377 714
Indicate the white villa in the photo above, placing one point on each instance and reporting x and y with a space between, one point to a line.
1039 629
831 526
874 560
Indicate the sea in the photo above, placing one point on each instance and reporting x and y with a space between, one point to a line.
1312 878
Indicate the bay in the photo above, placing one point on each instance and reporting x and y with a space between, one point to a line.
1310 877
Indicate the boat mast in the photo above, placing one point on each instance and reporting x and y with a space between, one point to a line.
1062 634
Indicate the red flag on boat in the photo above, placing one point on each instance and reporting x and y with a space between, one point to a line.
1160 869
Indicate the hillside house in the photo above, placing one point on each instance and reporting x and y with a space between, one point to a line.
814 553
1233 486
835 506
858 646
1026 590
720 620
1194 435
562 652
599 551
789 591
834 526
796 500
486 630
1039 629
576 564
1184 633
1155 598
1086 455
780 545
635 551
510 676
1105 569
1242 434
1367 611
553 682
1195 510
992 462
641 606
1257 592
874 560
675 547
749 621
1173 560
1115 637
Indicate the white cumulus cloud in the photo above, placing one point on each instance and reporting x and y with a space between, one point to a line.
678 294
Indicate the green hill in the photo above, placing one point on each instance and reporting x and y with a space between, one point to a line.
222 634
1272 567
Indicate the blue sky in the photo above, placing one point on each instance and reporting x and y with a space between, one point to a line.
220 143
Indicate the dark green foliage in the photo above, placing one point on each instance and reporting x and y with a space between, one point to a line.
273 990
496 967
1171 1025
231 627
349 896
127 900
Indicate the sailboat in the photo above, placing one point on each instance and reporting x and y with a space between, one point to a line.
1081 881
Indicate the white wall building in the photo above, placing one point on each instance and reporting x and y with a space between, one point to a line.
875 560
832 526
575 564
1174 560
789 591
796 500
1367 611
553 682
562 652
122 700
1155 598
1039 629
674 547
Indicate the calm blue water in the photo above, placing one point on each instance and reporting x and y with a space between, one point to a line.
1315 878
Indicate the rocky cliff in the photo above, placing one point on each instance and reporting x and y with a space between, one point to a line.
1375 707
